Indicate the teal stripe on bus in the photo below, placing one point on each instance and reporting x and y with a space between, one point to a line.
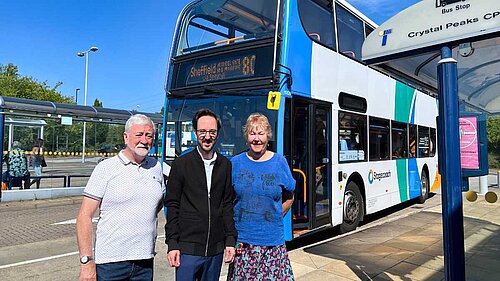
402 179
403 102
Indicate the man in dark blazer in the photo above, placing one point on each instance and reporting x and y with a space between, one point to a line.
200 230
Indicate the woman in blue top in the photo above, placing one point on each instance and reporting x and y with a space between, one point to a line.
262 179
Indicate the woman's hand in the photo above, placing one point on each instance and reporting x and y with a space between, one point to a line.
229 254
287 201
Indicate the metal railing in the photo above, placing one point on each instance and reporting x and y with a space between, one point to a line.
75 176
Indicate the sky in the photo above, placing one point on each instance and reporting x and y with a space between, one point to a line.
42 38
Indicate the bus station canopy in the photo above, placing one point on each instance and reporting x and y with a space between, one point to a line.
47 109
408 45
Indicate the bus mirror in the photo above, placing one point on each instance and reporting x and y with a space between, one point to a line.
273 100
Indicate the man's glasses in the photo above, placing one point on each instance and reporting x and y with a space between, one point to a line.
203 133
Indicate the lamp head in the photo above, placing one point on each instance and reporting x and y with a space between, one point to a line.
80 54
94 49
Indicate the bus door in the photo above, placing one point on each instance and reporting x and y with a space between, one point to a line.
309 147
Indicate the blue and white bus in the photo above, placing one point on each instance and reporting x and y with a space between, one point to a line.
357 140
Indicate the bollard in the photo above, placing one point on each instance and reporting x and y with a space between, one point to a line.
483 185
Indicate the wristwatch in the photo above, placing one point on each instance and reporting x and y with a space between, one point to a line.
85 259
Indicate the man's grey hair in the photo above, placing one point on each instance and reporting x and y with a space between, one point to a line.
138 119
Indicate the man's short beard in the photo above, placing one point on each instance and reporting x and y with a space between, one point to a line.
141 151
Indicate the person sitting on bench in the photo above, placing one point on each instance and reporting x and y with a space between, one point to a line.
17 167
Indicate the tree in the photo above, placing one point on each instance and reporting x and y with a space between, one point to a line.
14 85
493 135
97 103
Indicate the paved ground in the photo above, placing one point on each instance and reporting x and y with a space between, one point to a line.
37 242
406 247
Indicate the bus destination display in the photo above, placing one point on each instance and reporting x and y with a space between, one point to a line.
236 67
245 64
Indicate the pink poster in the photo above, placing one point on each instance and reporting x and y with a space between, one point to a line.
469 149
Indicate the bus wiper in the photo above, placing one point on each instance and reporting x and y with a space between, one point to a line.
210 91
214 90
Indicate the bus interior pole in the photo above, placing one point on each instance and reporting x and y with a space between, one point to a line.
449 167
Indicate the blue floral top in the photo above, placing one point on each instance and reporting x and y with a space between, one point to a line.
258 205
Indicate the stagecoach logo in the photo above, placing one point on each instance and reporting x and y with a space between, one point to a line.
372 175
384 36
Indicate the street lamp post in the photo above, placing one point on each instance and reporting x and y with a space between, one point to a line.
86 55
76 95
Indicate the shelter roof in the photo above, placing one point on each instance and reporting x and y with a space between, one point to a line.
47 109
408 46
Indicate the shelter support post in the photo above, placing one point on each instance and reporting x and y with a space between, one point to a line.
2 123
449 167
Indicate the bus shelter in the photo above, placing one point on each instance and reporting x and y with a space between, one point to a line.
12 123
60 125
451 48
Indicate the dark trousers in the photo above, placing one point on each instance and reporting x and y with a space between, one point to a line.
138 270
199 268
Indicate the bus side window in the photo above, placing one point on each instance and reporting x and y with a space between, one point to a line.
399 139
318 21
423 141
413 149
432 144
412 133
352 137
351 33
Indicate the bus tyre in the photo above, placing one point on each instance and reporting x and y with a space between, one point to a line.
424 188
353 208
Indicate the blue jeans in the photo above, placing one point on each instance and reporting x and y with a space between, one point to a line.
138 270
38 170
199 268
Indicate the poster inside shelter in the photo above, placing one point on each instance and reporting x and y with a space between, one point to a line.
469 148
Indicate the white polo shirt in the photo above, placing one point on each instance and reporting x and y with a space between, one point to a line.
131 196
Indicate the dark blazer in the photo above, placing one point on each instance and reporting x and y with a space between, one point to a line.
196 224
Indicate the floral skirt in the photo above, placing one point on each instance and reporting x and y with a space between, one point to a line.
260 263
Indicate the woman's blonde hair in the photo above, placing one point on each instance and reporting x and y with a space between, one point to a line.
258 120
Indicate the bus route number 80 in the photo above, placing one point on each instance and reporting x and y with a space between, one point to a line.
249 65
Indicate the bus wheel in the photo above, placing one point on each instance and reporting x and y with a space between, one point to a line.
353 208
424 188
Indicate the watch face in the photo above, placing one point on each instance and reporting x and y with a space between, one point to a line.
84 259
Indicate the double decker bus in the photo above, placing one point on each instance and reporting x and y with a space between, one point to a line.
357 140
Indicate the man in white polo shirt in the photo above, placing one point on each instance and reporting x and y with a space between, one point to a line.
128 190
